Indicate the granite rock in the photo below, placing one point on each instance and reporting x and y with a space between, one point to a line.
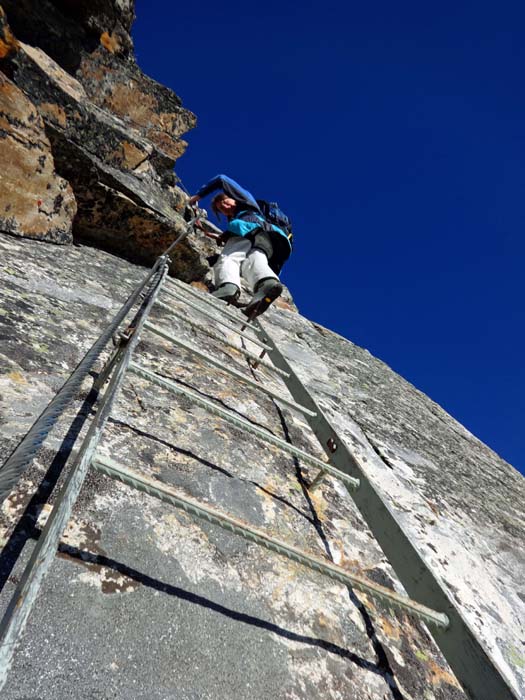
8 43
165 606
114 132
66 30
34 200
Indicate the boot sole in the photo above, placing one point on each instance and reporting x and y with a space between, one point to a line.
254 310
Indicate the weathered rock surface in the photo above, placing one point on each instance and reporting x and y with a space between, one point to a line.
122 89
115 134
34 201
144 602
8 43
69 29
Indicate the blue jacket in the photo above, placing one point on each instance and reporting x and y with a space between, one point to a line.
248 216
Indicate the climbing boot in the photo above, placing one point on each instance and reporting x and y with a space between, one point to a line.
227 292
266 291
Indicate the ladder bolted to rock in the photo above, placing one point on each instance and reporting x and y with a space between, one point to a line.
427 599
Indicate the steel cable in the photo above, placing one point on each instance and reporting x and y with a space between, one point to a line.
26 450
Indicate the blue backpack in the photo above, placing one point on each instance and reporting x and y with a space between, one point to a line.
273 213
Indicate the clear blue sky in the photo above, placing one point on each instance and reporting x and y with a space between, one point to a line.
394 135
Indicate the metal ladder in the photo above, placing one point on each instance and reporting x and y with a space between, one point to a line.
429 602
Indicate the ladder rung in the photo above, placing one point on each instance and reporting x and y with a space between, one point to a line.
213 515
225 341
207 298
204 304
243 424
255 341
229 370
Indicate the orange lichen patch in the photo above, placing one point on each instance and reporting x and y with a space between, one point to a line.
353 565
128 100
110 42
8 43
17 377
22 185
200 285
391 631
126 97
439 676
7 47
54 113
127 155
133 155
324 621
36 201
319 502
368 602
172 147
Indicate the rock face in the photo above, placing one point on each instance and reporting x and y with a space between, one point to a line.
34 201
142 601
110 131
145 602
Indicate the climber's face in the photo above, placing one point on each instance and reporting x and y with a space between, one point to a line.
226 206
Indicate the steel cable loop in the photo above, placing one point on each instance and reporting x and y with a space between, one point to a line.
26 450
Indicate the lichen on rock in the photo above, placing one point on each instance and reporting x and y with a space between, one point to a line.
143 575
34 200
114 133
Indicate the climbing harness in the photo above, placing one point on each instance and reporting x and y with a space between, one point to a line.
427 599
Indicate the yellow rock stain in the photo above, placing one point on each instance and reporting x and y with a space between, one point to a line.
391 631
110 42
439 675
55 113
17 377
8 43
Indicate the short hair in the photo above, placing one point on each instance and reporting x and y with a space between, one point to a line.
218 197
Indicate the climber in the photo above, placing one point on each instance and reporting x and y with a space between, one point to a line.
253 246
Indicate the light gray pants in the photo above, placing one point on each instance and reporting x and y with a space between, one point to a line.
238 257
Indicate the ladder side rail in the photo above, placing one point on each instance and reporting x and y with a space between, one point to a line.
479 673
25 451
168 494
239 376
26 592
